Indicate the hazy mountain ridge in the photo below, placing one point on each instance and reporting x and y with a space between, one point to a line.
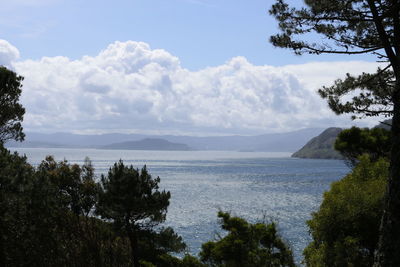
277 142
148 144
36 144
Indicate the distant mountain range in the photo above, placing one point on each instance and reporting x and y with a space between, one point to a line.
148 144
277 142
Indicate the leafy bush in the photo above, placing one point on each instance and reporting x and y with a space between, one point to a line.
345 229
246 245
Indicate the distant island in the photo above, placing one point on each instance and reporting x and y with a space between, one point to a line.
321 146
148 144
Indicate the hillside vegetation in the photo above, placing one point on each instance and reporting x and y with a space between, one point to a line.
321 147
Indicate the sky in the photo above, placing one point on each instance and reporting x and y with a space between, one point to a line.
197 67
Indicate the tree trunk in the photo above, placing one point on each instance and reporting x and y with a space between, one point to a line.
388 253
134 247
2 248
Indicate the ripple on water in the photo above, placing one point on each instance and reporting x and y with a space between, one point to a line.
257 186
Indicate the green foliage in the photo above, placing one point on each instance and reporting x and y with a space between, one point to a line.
43 221
246 245
190 261
187 261
155 247
374 98
346 27
14 187
131 199
356 27
46 219
354 142
345 229
11 112
321 147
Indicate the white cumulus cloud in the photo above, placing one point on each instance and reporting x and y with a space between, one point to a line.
8 53
130 87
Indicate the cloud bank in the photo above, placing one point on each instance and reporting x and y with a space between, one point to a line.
8 53
130 87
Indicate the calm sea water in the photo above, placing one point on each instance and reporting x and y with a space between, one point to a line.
255 185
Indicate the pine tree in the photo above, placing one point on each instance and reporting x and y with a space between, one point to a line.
356 27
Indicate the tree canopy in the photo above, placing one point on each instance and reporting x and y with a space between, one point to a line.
342 26
354 142
42 218
346 27
356 27
345 229
11 111
246 245
47 219
131 199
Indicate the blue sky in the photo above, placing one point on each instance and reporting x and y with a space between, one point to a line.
200 32
217 48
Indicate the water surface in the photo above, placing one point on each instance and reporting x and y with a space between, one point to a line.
258 186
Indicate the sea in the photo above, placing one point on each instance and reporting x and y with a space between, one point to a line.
258 186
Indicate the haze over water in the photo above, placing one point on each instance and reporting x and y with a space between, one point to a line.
258 186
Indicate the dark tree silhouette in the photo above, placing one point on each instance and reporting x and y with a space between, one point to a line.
356 27
247 245
131 199
354 142
11 112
